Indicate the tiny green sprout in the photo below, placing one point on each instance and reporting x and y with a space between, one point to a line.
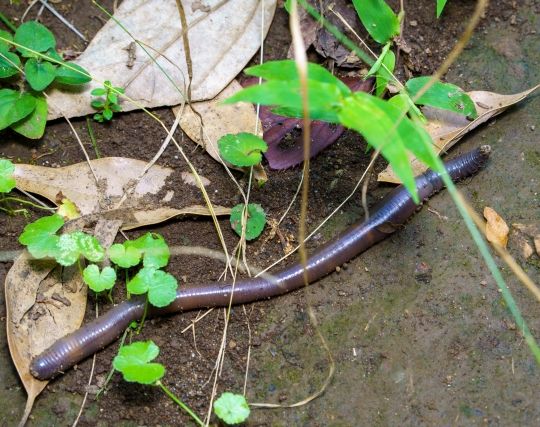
99 281
72 245
40 236
125 255
232 408
242 149
161 286
7 182
256 220
133 361
155 250
107 103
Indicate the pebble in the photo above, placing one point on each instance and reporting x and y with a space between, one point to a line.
413 23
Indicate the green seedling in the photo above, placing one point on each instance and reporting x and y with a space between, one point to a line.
125 255
107 103
256 220
71 246
243 149
155 250
134 361
383 69
440 7
40 236
159 285
231 408
7 182
24 109
99 281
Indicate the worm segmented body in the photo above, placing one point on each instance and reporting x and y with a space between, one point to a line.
391 213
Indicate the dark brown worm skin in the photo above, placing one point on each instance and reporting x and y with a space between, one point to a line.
388 216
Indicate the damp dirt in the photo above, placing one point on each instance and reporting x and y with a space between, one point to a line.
416 327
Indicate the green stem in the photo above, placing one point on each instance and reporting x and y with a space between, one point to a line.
143 316
92 137
26 202
111 372
181 404
7 22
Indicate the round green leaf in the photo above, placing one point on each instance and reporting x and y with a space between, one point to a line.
14 106
72 74
124 256
256 219
163 289
9 64
155 250
232 408
5 38
39 74
242 149
133 361
68 250
34 36
141 282
99 281
7 182
40 236
89 246
33 125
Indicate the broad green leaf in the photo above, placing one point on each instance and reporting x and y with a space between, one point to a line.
72 245
155 251
71 74
256 220
99 281
386 128
125 256
442 95
242 149
34 36
440 7
5 38
378 18
10 63
33 125
133 361
7 182
285 70
14 106
324 99
39 74
232 408
40 236
161 286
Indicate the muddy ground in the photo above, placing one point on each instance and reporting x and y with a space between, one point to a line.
409 349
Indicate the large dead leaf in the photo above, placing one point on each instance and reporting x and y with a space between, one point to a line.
149 200
43 303
447 128
223 35
219 119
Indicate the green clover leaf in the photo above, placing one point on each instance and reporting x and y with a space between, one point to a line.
232 408
40 236
155 251
39 74
99 281
161 286
72 245
7 182
133 361
125 256
242 149
256 220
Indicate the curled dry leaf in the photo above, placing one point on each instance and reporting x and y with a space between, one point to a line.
145 204
224 36
44 302
219 119
447 128
496 229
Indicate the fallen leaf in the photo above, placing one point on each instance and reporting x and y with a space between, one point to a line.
224 36
447 128
145 205
44 302
496 229
219 119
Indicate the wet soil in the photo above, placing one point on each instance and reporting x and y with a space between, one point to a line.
416 328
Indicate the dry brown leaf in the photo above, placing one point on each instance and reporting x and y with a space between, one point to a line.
496 229
447 128
44 302
224 36
220 119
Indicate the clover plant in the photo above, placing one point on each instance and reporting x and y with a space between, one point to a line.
29 64
107 103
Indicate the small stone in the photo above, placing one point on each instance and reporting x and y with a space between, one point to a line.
422 272
413 23
232 344
533 127
513 20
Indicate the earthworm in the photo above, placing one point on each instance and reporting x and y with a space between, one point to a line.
388 216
